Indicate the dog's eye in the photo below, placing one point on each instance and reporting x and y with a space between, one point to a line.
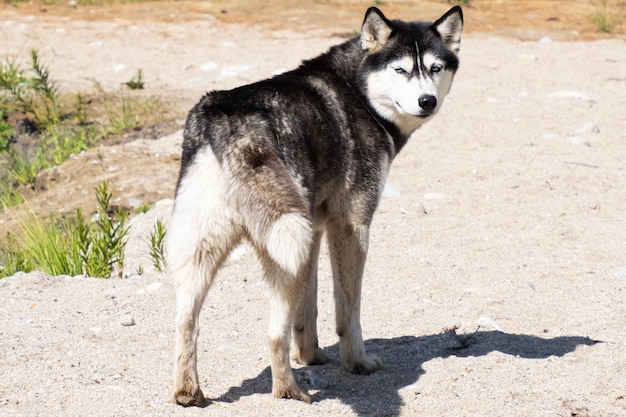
436 68
399 70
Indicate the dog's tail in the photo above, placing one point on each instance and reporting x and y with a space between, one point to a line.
289 241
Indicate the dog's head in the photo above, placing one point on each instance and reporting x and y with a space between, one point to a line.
409 66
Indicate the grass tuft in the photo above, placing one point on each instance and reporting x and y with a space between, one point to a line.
157 245
604 20
69 245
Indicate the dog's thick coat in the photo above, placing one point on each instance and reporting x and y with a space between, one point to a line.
282 161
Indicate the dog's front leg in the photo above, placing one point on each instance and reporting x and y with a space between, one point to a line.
305 322
348 250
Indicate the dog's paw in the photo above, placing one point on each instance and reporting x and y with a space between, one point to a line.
188 399
313 357
368 364
291 392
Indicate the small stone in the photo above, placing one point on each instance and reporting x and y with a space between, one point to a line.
575 94
235 71
589 127
435 196
208 66
127 320
577 140
489 324
545 39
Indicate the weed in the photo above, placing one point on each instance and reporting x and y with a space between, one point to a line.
36 96
136 82
9 196
24 170
157 245
120 122
81 112
69 245
143 208
604 20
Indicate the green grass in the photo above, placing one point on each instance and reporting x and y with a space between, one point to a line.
69 245
157 245
605 20
136 82
64 124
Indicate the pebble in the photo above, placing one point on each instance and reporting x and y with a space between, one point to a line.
127 320
435 196
134 202
208 66
96 44
235 70
489 324
589 127
578 140
575 94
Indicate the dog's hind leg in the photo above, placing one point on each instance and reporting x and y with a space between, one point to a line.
305 322
286 294
348 249
200 237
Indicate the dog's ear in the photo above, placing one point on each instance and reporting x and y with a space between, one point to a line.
375 30
449 27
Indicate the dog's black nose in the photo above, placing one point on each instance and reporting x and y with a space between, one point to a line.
427 102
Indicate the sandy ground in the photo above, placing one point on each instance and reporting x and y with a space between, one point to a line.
505 215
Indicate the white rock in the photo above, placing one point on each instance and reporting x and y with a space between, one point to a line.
589 127
208 66
235 71
575 94
487 323
154 287
435 196
577 140
127 320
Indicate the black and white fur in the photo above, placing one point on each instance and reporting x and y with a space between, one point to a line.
280 162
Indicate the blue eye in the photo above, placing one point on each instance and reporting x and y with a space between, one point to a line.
399 70
436 68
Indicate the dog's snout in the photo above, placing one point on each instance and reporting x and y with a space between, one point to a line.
427 102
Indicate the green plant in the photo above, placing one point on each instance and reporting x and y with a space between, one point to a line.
157 245
106 248
80 116
13 259
120 122
23 169
35 96
143 208
604 20
70 245
9 196
136 81
6 132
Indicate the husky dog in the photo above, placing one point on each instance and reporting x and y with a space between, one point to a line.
280 162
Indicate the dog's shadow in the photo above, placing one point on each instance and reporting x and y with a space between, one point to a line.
378 394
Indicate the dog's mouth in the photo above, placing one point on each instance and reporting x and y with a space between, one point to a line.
423 114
